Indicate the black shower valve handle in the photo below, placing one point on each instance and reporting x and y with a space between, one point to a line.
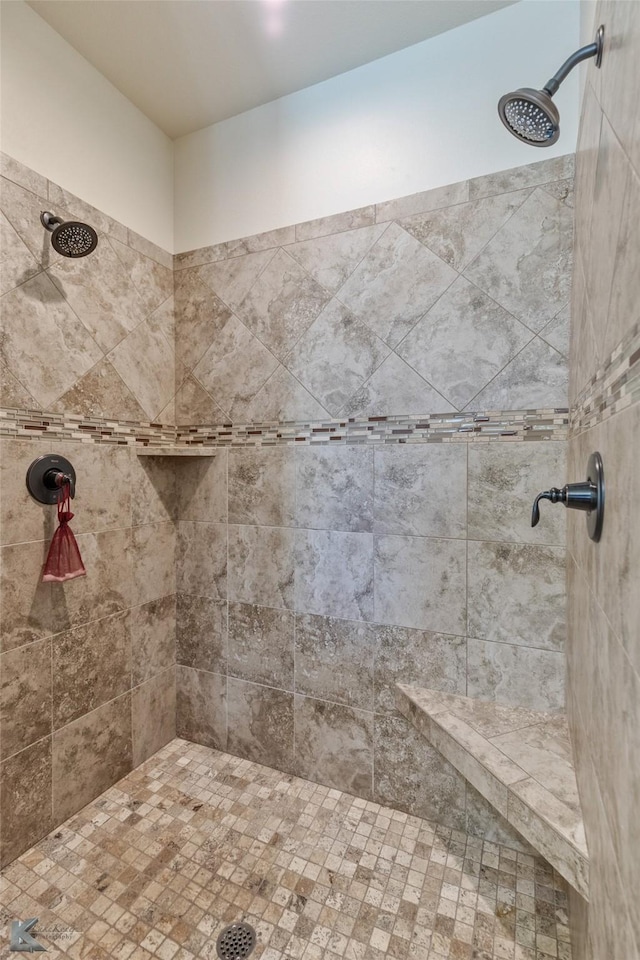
554 495
576 496
56 480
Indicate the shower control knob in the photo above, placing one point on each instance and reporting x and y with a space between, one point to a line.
47 476
587 496
56 479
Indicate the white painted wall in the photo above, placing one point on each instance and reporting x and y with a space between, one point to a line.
414 120
61 117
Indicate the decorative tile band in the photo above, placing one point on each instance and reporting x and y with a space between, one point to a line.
549 424
25 424
614 387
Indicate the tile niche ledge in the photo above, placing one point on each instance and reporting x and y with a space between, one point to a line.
519 760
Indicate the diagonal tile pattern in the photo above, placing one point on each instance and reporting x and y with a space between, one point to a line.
282 304
61 317
194 840
419 314
395 283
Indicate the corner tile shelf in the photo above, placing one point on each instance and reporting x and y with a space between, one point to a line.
519 760
175 452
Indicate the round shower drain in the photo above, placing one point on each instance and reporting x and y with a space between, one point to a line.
236 942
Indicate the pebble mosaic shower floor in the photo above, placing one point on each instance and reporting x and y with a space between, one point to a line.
195 839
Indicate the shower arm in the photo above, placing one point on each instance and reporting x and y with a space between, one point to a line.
584 53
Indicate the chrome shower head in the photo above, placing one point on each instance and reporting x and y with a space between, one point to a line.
531 115
70 238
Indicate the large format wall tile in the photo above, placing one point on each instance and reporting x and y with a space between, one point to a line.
153 715
421 490
144 361
463 342
536 377
334 745
201 633
395 386
201 707
335 660
433 660
202 559
260 724
27 603
25 696
335 356
100 292
235 366
90 665
517 594
395 283
153 561
153 282
420 583
261 565
414 776
334 574
504 672
89 755
334 488
281 398
101 393
152 629
261 647
504 479
526 266
283 303
201 316
25 799
43 342
22 208
17 264
458 233
232 279
331 259
262 487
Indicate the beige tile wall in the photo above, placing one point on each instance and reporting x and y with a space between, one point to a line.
307 581
603 695
453 299
310 580
87 676
92 336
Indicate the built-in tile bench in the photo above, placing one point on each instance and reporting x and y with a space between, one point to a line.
519 760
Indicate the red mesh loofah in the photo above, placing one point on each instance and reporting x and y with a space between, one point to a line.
63 560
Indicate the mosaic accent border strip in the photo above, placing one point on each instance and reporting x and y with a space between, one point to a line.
30 424
614 387
548 424
434 428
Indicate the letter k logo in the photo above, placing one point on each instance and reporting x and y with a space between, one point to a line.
21 939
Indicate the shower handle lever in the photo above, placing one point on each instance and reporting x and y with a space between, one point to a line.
588 495
56 480
577 496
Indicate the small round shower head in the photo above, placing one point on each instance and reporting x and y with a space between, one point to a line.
531 116
70 238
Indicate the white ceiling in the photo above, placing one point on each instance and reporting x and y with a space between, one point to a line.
189 63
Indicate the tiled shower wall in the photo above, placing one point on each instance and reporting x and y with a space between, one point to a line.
454 299
86 668
310 579
92 336
603 681
307 579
